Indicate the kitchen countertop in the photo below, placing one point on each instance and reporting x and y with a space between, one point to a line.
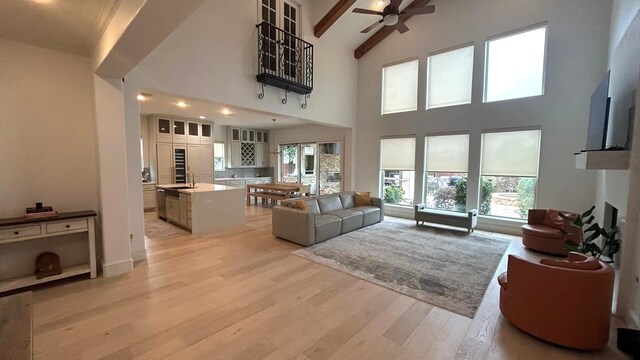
200 188
149 183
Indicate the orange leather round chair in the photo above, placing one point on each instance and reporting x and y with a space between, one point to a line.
563 302
546 231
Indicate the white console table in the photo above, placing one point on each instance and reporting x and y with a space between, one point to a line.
21 229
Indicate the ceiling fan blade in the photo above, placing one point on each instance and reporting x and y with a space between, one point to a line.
367 11
395 4
401 27
419 11
371 27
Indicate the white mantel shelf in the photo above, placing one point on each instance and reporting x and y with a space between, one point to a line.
603 160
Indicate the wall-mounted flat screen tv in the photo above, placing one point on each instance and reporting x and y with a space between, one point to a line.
599 116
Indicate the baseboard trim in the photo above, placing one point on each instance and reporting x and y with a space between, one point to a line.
139 255
632 319
117 267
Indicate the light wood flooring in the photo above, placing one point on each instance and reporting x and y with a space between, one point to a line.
240 294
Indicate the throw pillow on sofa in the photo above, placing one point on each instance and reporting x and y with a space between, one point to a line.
362 198
302 205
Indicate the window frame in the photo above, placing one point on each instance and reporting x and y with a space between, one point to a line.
480 174
381 171
543 24
224 160
425 177
382 83
428 79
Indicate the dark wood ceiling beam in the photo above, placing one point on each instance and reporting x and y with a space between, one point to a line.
381 34
332 16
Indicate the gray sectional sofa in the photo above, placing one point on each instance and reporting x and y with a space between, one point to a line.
327 216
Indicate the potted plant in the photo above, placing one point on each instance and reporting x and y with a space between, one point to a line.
588 244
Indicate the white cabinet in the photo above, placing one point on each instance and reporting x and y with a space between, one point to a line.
262 155
206 134
162 126
179 131
247 148
205 169
149 196
193 132
200 162
164 156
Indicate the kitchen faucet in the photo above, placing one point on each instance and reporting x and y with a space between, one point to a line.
193 178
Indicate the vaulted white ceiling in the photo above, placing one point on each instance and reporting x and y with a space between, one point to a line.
73 26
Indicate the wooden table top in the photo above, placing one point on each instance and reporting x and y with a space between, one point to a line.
275 187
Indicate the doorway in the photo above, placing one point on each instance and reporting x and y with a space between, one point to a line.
316 164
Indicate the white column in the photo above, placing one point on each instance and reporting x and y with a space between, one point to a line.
113 222
134 170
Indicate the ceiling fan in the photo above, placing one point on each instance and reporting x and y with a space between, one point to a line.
392 16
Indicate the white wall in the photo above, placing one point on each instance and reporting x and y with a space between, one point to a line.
576 61
616 186
317 133
48 130
213 56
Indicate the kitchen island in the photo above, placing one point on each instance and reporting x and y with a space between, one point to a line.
205 208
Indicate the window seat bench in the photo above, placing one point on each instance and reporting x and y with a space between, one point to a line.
468 221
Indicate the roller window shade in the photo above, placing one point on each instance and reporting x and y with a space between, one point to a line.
400 87
398 154
449 78
514 153
515 65
447 153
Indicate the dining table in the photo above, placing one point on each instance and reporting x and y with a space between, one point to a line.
278 191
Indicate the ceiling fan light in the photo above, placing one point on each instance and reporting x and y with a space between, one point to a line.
390 19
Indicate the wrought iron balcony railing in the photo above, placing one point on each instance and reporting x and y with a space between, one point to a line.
284 60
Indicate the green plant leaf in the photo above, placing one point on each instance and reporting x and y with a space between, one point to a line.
588 212
571 246
589 220
592 237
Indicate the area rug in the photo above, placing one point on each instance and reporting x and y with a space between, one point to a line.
444 268
156 228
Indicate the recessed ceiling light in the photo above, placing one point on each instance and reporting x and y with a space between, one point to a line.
202 117
143 97
226 111
181 104
381 3
42 1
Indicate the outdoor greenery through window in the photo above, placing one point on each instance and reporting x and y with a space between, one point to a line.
446 165
398 170
449 77
515 65
400 87
509 173
218 156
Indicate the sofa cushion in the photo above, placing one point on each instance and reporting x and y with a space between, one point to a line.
351 219
329 204
371 214
542 231
327 226
590 263
347 201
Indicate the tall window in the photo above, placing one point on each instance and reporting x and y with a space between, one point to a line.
446 166
218 156
400 87
515 65
449 77
397 170
509 173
